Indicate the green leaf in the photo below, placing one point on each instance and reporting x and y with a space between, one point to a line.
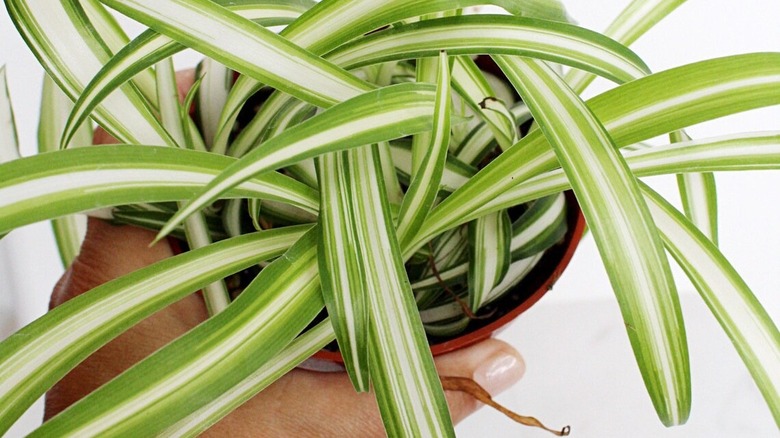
633 112
748 325
87 178
752 151
454 174
408 391
623 230
36 357
299 350
342 271
473 87
424 186
699 196
636 19
480 141
495 34
246 47
379 115
211 98
9 142
489 255
176 120
55 107
68 46
188 373
540 227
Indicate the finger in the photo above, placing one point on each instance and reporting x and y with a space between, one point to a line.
184 81
493 364
326 404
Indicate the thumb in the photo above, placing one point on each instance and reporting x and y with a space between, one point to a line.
493 364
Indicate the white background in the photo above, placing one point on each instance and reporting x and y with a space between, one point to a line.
580 370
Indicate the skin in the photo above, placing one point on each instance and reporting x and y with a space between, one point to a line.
301 403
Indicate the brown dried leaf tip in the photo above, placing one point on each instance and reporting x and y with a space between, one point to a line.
469 386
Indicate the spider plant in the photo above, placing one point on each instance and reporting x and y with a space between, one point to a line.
402 170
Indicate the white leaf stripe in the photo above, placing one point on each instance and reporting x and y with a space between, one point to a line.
403 109
495 34
72 331
754 335
623 229
210 359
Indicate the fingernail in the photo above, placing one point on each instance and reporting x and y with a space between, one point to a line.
499 372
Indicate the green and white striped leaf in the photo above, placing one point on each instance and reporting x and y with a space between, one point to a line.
55 107
403 109
515 274
176 120
699 196
72 52
246 47
455 172
37 356
633 112
623 229
425 70
150 47
324 27
473 87
636 19
9 142
211 98
480 141
101 176
753 151
489 255
407 387
299 350
748 325
185 375
495 34
425 181
342 267
540 227
333 21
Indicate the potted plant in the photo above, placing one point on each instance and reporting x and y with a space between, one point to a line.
359 115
